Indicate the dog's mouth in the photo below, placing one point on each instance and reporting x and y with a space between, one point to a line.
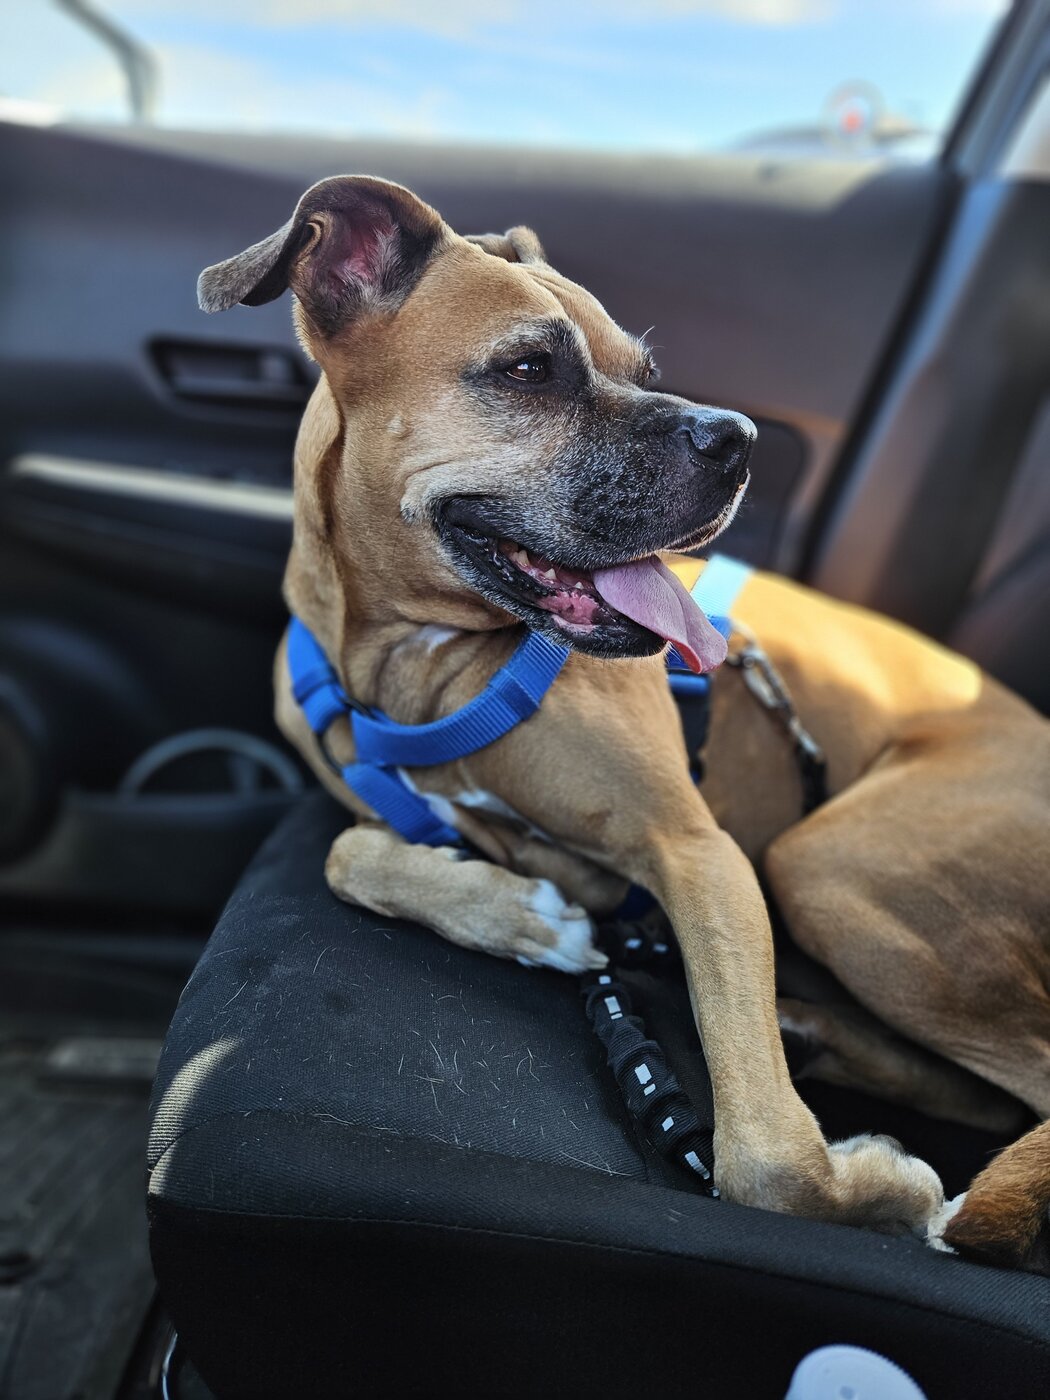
632 608
569 595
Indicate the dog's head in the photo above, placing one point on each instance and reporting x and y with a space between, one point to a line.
502 427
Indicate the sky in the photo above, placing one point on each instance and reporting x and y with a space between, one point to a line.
653 75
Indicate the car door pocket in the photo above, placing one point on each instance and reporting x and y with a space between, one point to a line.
172 838
233 376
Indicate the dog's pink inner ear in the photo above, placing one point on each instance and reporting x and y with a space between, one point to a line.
361 253
356 247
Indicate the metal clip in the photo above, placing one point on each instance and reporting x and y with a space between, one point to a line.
759 677
766 684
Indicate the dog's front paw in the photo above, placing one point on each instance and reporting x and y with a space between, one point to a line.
553 933
868 1181
878 1185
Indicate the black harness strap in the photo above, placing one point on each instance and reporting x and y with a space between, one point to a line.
651 1092
694 710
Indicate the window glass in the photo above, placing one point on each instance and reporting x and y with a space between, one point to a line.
805 77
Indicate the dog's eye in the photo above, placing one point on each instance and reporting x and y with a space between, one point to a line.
530 369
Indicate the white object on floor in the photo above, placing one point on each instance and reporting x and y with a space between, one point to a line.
850 1373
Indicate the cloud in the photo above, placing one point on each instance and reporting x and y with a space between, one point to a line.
202 87
767 12
982 9
463 18
454 18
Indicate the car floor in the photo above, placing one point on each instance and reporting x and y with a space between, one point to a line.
82 1018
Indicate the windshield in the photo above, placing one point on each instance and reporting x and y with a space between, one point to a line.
802 76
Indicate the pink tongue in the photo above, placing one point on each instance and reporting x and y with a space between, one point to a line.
648 593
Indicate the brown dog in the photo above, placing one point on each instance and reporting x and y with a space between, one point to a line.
478 417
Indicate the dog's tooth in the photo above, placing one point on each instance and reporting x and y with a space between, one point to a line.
521 558
550 574
577 584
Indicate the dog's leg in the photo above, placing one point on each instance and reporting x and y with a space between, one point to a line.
847 1046
470 902
1003 1218
921 889
581 881
769 1150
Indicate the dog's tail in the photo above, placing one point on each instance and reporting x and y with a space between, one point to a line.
1004 1218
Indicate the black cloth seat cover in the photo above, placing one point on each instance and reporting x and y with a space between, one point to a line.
381 1165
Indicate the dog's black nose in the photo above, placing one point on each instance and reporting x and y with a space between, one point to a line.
720 438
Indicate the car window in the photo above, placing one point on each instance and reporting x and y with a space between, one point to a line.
791 77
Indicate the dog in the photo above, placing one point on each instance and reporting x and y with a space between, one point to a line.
484 451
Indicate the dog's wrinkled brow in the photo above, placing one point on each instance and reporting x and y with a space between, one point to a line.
553 335
549 334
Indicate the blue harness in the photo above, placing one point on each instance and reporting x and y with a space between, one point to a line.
383 748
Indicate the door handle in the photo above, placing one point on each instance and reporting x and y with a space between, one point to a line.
236 376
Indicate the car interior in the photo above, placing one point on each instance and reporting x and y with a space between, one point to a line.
335 1207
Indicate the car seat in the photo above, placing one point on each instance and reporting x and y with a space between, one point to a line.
382 1165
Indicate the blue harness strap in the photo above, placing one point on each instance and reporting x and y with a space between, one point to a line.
314 683
383 747
390 797
512 695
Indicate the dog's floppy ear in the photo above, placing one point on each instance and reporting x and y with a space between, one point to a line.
518 245
354 243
